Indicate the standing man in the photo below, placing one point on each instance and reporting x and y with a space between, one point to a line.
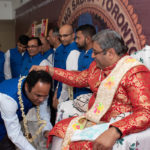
68 59
2 60
46 50
121 97
84 36
17 96
14 58
78 105
34 56
54 40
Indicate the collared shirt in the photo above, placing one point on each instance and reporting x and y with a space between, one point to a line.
8 108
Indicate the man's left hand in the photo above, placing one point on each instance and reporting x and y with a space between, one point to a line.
106 140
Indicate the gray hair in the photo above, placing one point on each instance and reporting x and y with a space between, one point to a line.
110 39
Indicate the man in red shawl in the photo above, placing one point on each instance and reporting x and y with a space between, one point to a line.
120 85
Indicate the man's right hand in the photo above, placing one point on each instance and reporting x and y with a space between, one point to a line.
49 69
106 140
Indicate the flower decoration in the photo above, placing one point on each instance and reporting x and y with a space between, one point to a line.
130 60
98 108
77 126
29 137
66 147
110 82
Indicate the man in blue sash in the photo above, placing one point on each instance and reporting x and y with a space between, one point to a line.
34 56
81 96
14 58
68 58
17 96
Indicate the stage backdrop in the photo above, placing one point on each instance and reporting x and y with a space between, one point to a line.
129 18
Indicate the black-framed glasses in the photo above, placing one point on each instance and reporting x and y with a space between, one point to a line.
65 35
32 46
96 53
103 51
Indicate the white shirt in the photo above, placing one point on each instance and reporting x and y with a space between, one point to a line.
7 67
8 108
71 64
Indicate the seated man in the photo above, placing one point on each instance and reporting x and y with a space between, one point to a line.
120 86
17 96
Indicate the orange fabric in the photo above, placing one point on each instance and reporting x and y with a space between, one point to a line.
81 145
133 95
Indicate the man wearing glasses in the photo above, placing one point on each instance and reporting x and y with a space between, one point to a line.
69 60
119 106
34 56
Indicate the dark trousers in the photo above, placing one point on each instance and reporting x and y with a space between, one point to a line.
6 144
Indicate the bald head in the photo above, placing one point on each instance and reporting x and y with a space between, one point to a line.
66 34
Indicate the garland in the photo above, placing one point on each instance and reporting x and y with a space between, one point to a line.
28 135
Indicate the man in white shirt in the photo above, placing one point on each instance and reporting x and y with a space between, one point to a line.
17 96
68 60
14 58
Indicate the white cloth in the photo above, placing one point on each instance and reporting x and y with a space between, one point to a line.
91 133
71 64
143 56
50 59
7 70
69 108
8 108
135 141
66 110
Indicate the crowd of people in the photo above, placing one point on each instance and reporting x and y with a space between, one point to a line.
74 89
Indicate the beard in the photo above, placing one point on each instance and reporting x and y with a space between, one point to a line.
82 46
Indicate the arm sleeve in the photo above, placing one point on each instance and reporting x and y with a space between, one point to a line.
50 60
72 78
72 60
138 89
8 108
7 68
45 63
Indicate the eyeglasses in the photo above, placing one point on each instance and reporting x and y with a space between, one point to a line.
96 53
64 35
32 46
103 51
